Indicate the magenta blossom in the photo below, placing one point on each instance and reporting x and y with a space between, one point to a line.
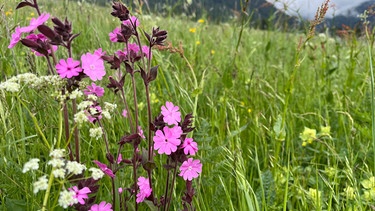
144 189
119 158
171 114
103 206
68 68
189 146
93 66
125 113
80 194
168 141
94 90
140 132
113 34
16 37
40 37
95 113
104 168
34 23
133 19
190 169
99 52
146 51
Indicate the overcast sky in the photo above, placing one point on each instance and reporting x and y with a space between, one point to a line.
307 8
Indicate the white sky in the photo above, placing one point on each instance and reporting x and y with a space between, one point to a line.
307 8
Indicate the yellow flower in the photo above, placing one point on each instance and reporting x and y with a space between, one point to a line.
212 52
193 30
315 195
9 12
198 43
249 110
32 14
200 21
369 183
325 131
349 192
308 135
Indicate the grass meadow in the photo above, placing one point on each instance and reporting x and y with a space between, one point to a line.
281 124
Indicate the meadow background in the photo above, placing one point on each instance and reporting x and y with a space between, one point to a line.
253 93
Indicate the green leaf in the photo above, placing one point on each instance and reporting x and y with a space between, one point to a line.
279 129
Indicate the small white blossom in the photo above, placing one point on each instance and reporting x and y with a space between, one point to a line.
10 86
56 162
84 104
57 153
32 164
67 198
109 106
96 173
75 168
59 173
80 118
92 97
76 94
96 132
41 184
106 114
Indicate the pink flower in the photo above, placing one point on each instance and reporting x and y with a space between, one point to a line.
34 23
99 52
95 114
93 66
103 206
140 132
119 158
40 37
104 168
189 146
171 114
120 190
144 189
168 141
94 90
68 68
80 194
125 113
16 37
146 51
133 19
113 34
190 169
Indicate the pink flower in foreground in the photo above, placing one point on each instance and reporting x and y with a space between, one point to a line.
104 168
94 90
68 68
168 141
34 23
144 189
93 66
133 19
171 114
190 169
113 34
16 37
80 194
103 206
189 146
125 113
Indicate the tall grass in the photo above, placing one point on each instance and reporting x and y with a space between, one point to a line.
250 161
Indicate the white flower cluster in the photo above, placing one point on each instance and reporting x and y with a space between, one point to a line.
31 80
32 164
96 173
67 198
41 184
96 132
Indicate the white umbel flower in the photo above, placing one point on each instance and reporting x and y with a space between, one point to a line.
41 184
32 164
57 153
74 167
67 198
96 132
96 173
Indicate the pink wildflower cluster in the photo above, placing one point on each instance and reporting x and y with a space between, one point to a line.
103 206
144 189
172 138
34 23
92 66
80 194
